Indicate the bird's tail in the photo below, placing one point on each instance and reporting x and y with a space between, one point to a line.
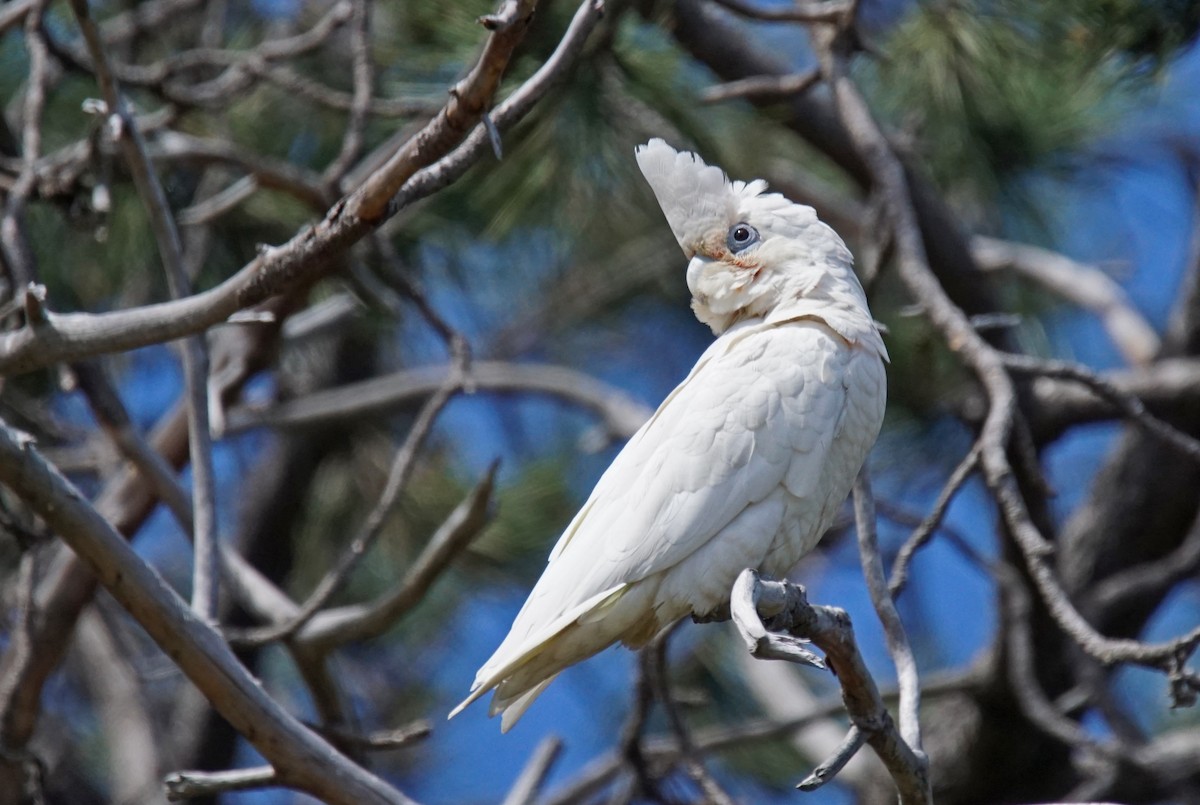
529 660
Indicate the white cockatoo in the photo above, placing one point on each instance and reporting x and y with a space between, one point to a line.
746 462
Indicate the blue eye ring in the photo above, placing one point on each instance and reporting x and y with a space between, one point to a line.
741 237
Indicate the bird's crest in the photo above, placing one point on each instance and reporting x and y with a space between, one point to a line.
695 197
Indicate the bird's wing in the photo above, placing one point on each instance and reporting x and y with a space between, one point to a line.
724 439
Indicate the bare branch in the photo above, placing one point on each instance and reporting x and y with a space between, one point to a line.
1168 387
932 521
855 739
621 414
205 579
762 87
796 11
525 789
786 607
183 785
398 475
334 627
469 101
1128 404
885 608
301 759
17 257
352 138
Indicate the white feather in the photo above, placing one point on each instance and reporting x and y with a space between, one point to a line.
743 465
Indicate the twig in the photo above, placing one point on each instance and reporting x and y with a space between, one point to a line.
796 11
205 579
398 475
363 72
379 740
932 521
657 663
334 627
1113 593
128 727
761 87
17 256
183 785
621 414
1169 386
854 740
893 628
250 588
301 759
1127 403
533 776
448 169
786 607
1034 704
470 98
630 750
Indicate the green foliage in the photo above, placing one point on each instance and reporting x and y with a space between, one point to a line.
993 89
531 511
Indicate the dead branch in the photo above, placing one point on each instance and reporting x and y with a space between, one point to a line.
885 608
620 414
301 759
792 618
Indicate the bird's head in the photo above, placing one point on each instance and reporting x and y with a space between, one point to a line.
753 254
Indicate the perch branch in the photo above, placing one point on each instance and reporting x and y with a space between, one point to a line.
787 609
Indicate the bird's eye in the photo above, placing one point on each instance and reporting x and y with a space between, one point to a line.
741 236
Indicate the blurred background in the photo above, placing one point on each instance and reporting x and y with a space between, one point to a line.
1073 127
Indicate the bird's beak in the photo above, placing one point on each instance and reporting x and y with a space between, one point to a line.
695 271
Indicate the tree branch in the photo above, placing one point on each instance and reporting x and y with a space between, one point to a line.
787 609
301 759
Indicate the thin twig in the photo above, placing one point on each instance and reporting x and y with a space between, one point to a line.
183 785
525 788
893 628
205 580
854 740
363 72
1127 403
334 627
932 521
762 87
621 414
18 258
398 475
795 11
657 662
469 100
